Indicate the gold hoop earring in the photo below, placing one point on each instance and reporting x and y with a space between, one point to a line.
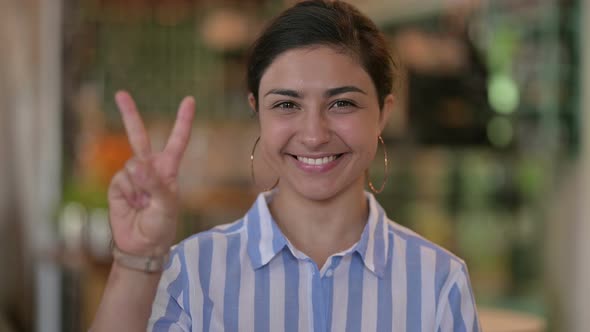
386 168
252 167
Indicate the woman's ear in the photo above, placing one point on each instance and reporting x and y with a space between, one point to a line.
252 102
388 105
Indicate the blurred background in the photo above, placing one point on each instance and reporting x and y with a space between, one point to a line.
488 145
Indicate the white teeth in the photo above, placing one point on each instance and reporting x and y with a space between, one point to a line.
318 161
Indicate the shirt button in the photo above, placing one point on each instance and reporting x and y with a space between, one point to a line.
329 273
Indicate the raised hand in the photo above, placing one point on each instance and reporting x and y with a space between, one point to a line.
143 203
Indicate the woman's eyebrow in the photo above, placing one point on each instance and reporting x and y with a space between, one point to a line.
329 93
343 89
284 92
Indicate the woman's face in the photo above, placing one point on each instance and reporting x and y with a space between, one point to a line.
319 121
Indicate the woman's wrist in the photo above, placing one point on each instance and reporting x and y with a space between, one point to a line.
145 264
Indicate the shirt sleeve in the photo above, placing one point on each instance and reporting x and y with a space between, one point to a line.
169 308
458 312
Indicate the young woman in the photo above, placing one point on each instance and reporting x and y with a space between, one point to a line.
317 252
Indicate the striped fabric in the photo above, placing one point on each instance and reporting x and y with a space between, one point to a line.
246 276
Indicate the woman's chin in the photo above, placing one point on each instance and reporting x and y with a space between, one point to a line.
318 196
318 192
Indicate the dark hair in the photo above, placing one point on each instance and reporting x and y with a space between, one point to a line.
322 22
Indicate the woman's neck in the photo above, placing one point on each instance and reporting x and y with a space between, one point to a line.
321 228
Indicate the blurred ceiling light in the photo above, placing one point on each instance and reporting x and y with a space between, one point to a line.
226 30
503 93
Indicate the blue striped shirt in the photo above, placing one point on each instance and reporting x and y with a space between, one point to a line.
246 276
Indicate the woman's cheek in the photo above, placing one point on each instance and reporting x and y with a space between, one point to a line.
277 131
355 133
275 136
361 137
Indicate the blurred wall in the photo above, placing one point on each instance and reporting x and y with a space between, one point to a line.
29 150
581 254
568 234
17 21
11 279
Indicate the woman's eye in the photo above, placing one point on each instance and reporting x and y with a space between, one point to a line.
287 105
343 104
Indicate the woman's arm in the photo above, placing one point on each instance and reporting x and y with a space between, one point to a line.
126 303
143 211
457 311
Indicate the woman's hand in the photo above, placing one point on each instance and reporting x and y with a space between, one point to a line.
143 204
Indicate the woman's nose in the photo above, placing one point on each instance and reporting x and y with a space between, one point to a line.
315 129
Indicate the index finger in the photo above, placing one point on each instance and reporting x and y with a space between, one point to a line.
136 133
181 132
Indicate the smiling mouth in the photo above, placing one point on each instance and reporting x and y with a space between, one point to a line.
317 161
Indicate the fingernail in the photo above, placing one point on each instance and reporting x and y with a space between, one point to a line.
139 202
145 199
134 200
191 99
119 95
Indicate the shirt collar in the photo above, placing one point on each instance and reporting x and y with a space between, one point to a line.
374 242
265 239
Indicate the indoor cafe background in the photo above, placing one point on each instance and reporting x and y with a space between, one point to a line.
489 143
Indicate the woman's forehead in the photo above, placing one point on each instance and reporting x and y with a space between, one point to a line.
314 68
